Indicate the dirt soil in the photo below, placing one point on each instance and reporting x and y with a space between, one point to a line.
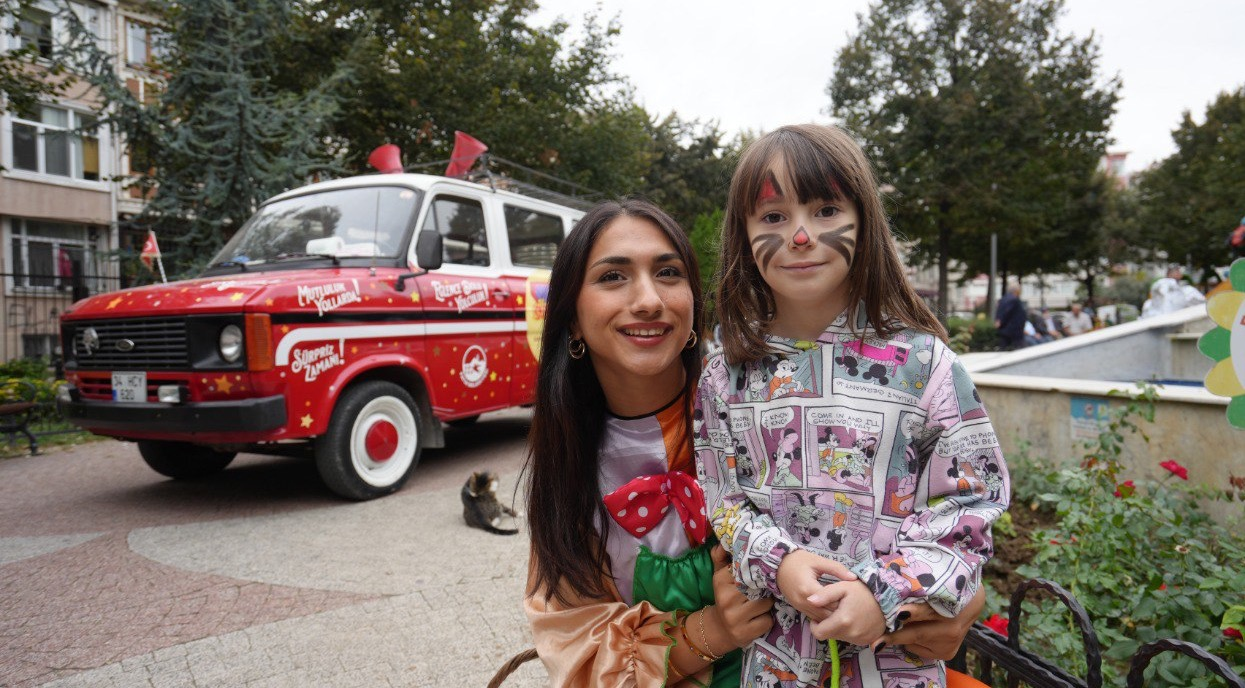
1012 552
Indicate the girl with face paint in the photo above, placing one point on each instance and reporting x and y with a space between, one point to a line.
811 288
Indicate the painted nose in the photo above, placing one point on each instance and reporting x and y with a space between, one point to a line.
801 238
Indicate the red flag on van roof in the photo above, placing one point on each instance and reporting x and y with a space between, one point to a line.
386 158
466 150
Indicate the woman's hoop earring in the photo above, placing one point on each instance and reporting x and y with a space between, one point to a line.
576 348
691 341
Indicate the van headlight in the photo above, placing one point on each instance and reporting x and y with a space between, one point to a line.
230 343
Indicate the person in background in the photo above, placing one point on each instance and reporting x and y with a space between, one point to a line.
1009 320
1052 325
1078 321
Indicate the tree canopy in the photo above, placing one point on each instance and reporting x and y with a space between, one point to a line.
219 138
426 68
1194 198
984 118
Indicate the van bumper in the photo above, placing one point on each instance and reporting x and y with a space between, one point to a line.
245 415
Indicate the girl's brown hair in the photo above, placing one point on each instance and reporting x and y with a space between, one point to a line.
823 163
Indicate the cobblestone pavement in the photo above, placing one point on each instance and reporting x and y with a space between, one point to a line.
111 575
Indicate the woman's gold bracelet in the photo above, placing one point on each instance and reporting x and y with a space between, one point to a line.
704 638
690 645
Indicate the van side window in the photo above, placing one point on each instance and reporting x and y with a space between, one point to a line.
534 237
461 222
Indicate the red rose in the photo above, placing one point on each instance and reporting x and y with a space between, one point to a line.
1176 469
1232 633
998 624
1125 489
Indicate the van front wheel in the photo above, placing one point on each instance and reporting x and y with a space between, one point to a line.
182 460
372 442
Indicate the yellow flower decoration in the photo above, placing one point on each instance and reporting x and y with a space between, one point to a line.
1226 345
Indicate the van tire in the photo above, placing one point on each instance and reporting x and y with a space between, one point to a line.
372 443
182 460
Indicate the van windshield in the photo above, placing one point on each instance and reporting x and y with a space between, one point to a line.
370 222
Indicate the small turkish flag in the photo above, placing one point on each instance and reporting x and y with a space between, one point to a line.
151 250
466 150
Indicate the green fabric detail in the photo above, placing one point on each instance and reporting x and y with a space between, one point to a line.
684 582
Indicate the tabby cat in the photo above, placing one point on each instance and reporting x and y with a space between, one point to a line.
481 508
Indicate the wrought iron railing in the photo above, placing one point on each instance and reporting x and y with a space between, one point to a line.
1019 667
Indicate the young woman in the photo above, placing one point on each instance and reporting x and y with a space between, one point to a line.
625 585
838 425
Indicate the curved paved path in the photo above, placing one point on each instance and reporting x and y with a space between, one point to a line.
111 575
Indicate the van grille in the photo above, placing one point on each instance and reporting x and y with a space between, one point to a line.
154 343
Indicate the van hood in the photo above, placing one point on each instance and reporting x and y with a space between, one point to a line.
205 295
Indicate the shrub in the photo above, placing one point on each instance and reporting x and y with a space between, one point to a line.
1144 560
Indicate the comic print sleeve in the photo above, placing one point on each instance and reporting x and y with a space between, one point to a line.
755 542
600 643
961 488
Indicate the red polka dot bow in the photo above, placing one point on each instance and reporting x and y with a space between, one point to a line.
640 505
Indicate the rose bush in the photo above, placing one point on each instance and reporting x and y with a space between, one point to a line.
1144 559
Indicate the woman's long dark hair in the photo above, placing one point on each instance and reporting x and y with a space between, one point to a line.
564 496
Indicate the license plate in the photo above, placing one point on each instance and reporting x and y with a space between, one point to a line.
129 387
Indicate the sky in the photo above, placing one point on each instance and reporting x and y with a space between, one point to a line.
759 65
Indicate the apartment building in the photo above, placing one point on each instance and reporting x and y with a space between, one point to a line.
65 203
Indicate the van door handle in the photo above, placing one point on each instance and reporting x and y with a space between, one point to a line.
501 293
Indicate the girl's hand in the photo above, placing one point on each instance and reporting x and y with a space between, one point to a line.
734 620
930 635
798 579
853 614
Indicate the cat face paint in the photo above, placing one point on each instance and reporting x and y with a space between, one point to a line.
769 190
842 240
804 252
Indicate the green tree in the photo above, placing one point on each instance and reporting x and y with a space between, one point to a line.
1191 200
1103 231
983 117
690 169
426 68
220 138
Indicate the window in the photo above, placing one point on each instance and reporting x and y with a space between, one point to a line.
34 31
56 141
50 255
144 46
534 237
461 222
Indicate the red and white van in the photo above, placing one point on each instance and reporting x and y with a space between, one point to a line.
346 319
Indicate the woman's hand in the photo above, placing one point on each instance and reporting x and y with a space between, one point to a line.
733 620
931 635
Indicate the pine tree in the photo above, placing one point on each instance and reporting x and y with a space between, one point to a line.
220 138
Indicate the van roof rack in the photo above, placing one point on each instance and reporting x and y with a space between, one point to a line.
499 173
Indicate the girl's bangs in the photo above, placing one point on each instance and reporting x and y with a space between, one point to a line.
803 164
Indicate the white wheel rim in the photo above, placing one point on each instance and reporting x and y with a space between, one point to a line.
385 472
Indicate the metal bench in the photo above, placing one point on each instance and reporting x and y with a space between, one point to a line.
15 415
